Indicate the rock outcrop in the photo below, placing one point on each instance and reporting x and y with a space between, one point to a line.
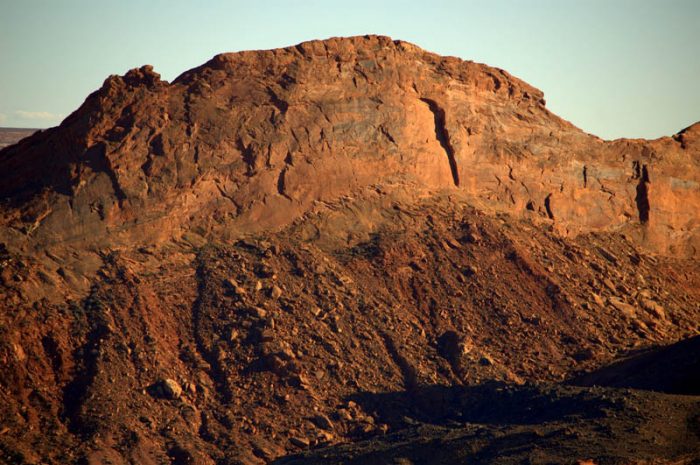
251 141
353 250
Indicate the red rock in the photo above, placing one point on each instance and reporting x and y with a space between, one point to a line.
251 140
386 196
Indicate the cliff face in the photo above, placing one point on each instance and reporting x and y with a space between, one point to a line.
251 141
351 249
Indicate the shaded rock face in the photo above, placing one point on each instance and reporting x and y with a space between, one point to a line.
251 141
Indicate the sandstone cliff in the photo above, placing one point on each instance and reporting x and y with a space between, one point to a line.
251 141
351 249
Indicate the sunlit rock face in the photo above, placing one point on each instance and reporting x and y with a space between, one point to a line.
252 140
350 249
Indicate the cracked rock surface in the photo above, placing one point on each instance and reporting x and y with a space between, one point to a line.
346 251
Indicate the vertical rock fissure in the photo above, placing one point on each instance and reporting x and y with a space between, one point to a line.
642 198
442 135
548 206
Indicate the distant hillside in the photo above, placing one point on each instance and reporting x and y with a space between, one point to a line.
9 136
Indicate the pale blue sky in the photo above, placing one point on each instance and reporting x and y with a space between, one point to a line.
615 68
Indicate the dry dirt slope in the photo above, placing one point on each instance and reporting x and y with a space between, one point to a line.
217 271
285 342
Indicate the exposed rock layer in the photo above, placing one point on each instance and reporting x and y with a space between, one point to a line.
250 141
421 237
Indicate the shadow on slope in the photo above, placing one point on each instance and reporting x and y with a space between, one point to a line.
492 403
534 424
674 369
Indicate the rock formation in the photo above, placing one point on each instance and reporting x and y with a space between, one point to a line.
295 248
250 141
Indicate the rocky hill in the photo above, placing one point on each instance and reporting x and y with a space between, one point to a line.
351 249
